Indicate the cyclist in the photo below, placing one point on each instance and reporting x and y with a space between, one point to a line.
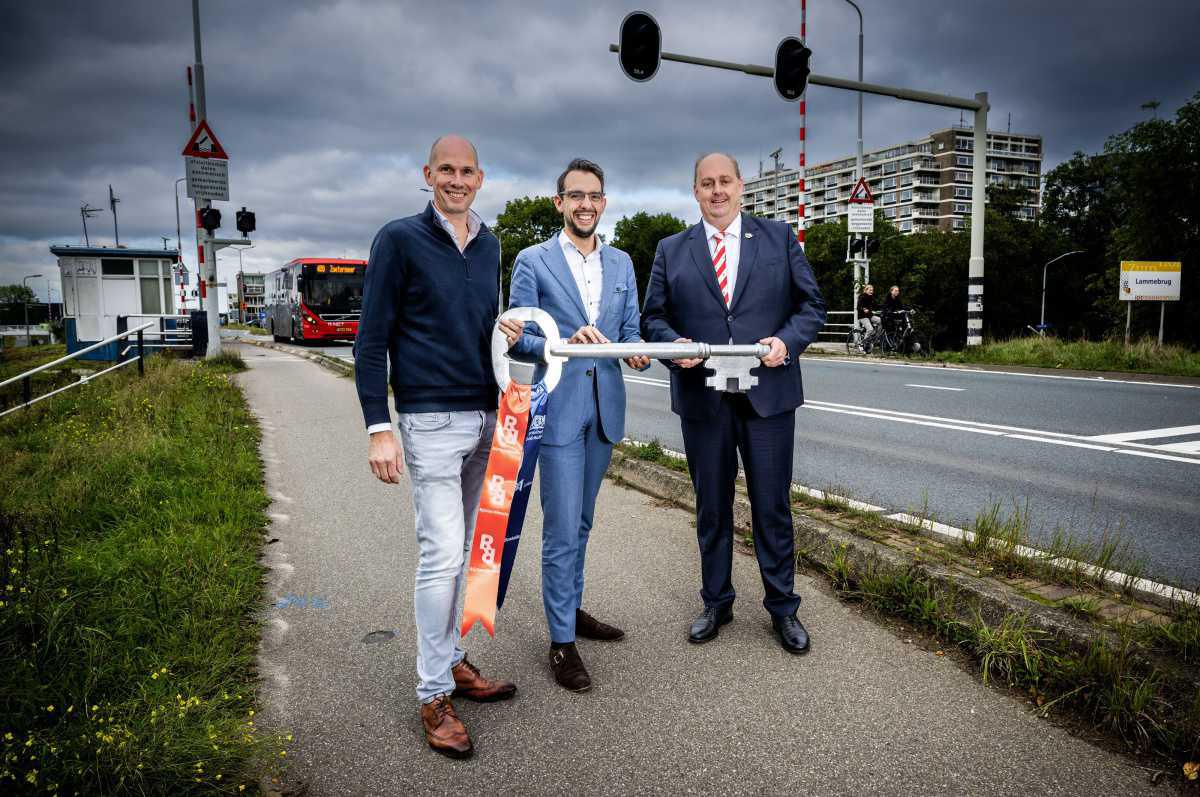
865 311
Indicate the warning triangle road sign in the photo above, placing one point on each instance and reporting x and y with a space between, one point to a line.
861 192
204 144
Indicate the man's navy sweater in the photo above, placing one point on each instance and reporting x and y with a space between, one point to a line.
430 309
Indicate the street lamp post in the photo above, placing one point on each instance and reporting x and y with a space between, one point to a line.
858 163
1042 321
25 282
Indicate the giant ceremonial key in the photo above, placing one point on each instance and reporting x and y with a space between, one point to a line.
731 363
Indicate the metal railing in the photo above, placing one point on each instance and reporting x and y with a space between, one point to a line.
178 338
837 329
27 385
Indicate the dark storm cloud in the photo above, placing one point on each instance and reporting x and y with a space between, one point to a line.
328 108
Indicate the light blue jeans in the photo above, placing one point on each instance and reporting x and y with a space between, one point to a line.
446 455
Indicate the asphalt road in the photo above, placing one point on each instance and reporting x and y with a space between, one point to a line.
865 712
955 441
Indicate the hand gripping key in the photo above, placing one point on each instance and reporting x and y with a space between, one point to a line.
731 363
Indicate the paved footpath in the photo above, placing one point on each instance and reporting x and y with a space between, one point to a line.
863 712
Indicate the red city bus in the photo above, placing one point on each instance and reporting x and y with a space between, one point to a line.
315 299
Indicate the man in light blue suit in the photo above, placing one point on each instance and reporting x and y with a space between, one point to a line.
591 292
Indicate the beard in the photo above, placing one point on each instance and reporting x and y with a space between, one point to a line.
580 231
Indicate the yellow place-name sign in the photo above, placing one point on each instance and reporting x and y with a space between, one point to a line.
1150 280
1151 265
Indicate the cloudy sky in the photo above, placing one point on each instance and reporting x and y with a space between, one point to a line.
327 108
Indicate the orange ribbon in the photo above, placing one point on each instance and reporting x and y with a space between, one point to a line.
499 484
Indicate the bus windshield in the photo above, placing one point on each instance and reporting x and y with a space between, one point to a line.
333 289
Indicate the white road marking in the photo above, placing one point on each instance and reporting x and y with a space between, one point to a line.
955 370
938 387
1191 447
1152 455
1000 430
1147 434
897 419
1060 442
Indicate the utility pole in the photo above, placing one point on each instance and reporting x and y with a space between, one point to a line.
179 248
112 203
204 250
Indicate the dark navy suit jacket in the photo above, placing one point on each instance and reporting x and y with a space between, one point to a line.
775 296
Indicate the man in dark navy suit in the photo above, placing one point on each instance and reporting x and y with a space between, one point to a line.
736 278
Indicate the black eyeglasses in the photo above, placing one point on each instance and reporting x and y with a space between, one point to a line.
577 196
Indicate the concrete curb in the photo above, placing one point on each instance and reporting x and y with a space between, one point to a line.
339 367
817 541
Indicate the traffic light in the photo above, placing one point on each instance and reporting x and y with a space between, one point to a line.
791 68
872 246
210 219
245 222
641 45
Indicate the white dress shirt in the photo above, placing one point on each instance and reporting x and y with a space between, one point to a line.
588 274
733 248
473 224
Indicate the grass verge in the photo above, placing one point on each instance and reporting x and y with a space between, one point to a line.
129 537
16 361
253 329
1113 683
1143 356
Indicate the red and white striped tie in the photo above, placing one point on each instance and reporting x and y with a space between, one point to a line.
719 265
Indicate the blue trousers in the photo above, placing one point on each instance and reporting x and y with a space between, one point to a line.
571 477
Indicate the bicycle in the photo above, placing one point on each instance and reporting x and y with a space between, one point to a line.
859 342
898 336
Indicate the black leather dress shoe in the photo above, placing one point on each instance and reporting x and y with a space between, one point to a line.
589 627
568 669
791 633
708 624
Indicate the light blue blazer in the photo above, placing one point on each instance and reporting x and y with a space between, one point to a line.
542 278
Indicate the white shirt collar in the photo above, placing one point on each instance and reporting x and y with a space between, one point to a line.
734 228
565 241
474 221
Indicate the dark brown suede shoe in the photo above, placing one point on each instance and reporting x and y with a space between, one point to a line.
470 684
443 730
569 670
589 627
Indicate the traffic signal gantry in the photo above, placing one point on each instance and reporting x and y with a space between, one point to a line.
640 52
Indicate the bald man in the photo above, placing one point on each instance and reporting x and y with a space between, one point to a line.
736 278
430 298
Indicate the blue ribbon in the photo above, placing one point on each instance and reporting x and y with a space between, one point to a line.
538 398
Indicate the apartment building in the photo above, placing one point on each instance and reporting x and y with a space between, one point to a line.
919 185
250 296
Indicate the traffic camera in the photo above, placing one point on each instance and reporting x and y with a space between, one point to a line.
791 68
210 219
245 222
641 46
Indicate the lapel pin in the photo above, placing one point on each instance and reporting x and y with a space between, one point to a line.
749 235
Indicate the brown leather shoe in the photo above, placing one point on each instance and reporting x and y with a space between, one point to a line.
569 670
470 684
589 627
443 730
